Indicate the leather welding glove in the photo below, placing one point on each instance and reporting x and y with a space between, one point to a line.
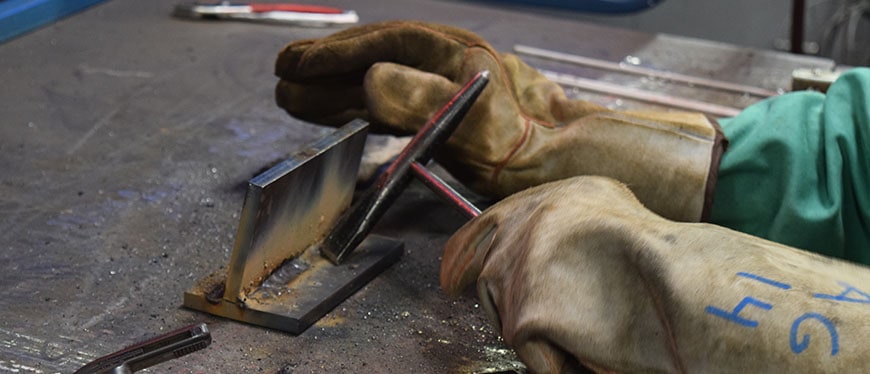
587 276
521 132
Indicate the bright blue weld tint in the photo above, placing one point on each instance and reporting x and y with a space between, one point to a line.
734 315
798 347
764 280
864 297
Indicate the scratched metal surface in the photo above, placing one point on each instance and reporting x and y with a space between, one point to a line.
125 143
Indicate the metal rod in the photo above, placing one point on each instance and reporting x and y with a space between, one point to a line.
797 26
639 70
441 188
355 224
646 96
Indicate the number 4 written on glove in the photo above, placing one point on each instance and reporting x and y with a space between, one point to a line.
850 294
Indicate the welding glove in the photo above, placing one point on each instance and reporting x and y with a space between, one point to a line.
522 131
587 276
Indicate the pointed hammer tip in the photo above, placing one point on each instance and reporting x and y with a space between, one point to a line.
332 250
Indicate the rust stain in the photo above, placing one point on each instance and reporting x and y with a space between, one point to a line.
331 320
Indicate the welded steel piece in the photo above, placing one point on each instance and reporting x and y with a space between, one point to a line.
292 206
302 290
288 210
356 223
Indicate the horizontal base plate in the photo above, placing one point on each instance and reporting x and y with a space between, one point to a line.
301 291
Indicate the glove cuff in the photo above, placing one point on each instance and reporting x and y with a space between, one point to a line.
669 160
720 145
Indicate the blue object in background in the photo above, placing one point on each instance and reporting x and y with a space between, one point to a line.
20 16
591 6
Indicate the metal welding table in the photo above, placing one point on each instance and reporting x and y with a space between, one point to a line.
127 137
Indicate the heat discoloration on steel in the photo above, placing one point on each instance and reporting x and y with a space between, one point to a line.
310 280
301 290
277 277
292 205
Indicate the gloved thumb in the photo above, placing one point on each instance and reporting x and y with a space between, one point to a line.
541 356
466 252
401 99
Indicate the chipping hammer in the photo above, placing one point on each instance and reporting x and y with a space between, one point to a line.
356 223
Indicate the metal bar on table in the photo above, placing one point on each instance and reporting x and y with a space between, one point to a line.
639 70
152 352
440 187
640 95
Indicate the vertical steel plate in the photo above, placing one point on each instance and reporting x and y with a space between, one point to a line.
288 210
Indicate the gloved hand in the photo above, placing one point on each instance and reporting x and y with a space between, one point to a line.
522 131
585 275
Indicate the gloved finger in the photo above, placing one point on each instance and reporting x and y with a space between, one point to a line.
332 105
466 252
542 357
538 353
351 52
290 54
402 99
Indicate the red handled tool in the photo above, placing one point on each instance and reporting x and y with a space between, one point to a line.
299 14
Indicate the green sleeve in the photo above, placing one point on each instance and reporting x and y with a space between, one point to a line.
797 170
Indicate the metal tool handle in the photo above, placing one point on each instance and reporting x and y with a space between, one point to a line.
151 352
